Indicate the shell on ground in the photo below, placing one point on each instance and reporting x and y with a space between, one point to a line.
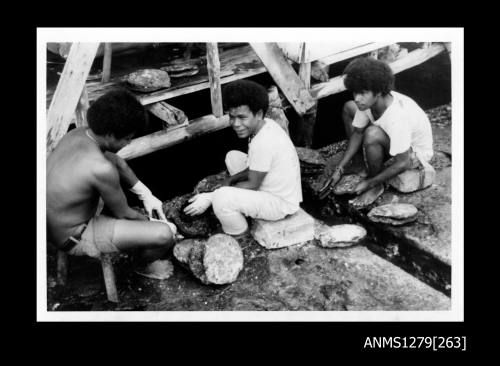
338 236
397 211
183 248
223 259
347 184
310 156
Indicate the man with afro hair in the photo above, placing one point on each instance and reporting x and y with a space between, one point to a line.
389 128
83 169
263 184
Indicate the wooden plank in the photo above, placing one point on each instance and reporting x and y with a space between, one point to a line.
237 63
68 91
162 139
81 109
414 58
285 77
213 68
106 62
353 52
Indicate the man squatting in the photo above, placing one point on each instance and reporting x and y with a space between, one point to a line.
263 184
83 168
390 129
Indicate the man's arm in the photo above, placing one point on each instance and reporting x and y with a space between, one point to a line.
243 175
253 181
126 173
107 183
401 163
355 142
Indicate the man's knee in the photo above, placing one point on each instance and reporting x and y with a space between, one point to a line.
374 135
163 236
222 198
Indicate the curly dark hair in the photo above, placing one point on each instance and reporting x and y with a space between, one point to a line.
245 92
117 113
367 73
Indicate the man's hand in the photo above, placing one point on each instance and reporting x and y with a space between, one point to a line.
150 202
153 204
328 180
199 204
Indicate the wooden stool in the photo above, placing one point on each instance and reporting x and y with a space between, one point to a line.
107 270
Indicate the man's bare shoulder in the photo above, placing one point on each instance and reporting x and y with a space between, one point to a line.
102 169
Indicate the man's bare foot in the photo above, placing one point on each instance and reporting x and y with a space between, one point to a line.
160 269
368 197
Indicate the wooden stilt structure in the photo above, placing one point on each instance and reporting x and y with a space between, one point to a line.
232 65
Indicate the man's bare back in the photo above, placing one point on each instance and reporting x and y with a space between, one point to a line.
72 198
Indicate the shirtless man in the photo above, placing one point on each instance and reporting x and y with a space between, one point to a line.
388 128
84 168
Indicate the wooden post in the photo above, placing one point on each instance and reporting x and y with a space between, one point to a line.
109 277
62 268
81 109
68 91
306 122
106 62
213 68
285 77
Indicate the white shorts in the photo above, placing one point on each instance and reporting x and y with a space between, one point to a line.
231 204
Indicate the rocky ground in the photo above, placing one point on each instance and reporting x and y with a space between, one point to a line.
401 268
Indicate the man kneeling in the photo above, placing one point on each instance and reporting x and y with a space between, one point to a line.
84 168
389 128
265 184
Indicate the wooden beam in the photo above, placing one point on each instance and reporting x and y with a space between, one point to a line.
353 52
81 109
213 68
106 62
168 113
414 58
285 77
68 91
305 69
163 139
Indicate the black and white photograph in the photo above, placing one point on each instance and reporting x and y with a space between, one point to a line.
250 174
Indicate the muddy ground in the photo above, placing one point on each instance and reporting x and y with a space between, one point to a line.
302 277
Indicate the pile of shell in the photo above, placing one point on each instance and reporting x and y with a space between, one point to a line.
179 68
333 149
394 213
311 161
190 226
210 183
218 260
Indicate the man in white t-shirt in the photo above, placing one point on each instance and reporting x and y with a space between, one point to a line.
265 184
393 131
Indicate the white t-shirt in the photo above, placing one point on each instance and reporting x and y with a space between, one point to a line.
405 123
272 151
